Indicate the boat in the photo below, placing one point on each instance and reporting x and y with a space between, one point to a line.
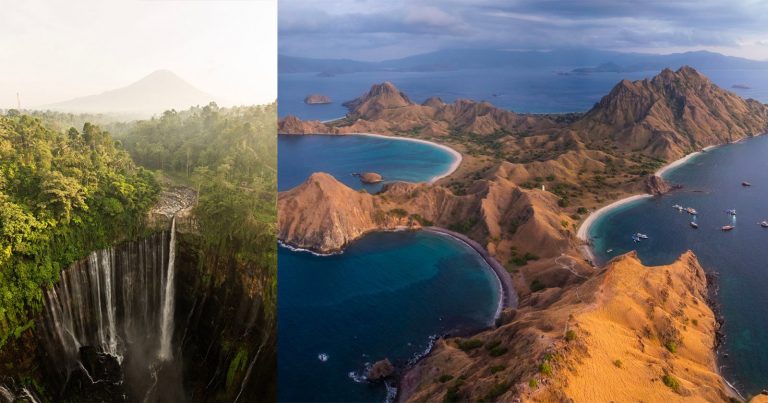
691 211
678 207
609 251
641 236
322 357
635 238
694 225
764 224
731 211
727 227
746 184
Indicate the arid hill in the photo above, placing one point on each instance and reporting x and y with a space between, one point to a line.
386 109
671 114
524 184
324 215
630 332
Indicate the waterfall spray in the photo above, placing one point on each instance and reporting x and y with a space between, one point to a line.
166 330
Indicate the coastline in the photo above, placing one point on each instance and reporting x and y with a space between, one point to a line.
508 297
681 161
583 232
457 157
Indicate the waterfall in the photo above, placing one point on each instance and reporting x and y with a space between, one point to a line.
118 301
166 329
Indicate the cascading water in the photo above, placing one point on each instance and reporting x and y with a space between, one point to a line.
117 305
166 329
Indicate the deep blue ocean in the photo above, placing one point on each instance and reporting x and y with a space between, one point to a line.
712 184
341 156
384 297
533 91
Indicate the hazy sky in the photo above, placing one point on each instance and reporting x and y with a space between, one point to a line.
375 30
55 50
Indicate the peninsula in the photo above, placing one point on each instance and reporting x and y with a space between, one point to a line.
524 185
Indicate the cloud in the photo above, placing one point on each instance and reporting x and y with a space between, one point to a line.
367 29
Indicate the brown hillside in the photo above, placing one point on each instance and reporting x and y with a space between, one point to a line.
671 114
568 349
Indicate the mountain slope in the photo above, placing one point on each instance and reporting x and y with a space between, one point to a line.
155 93
671 114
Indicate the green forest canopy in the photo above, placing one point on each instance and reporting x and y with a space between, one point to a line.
229 155
63 194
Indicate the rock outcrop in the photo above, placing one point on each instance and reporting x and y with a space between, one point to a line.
317 99
656 186
370 177
380 370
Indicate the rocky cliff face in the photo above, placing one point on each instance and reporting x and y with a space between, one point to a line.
627 332
672 114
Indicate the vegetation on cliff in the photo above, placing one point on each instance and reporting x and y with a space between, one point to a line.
230 156
62 195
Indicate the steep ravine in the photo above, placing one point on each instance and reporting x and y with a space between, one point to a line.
99 336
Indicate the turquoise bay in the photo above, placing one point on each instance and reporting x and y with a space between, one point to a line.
386 296
341 156
712 184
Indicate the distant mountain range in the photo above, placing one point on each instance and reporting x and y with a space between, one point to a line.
155 93
571 61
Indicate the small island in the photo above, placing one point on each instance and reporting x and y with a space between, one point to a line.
369 178
317 99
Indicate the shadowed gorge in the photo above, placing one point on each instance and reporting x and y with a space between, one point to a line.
175 301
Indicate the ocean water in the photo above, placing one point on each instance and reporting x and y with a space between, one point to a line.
532 91
384 297
341 156
712 184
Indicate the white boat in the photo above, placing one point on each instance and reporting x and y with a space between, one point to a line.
641 236
731 211
727 227
678 207
694 225
691 211
764 224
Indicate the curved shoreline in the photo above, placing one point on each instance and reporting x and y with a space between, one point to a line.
457 157
676 163
508 297
583 232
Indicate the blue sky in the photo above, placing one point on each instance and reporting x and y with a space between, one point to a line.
377 30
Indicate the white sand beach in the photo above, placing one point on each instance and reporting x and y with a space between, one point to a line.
456 155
